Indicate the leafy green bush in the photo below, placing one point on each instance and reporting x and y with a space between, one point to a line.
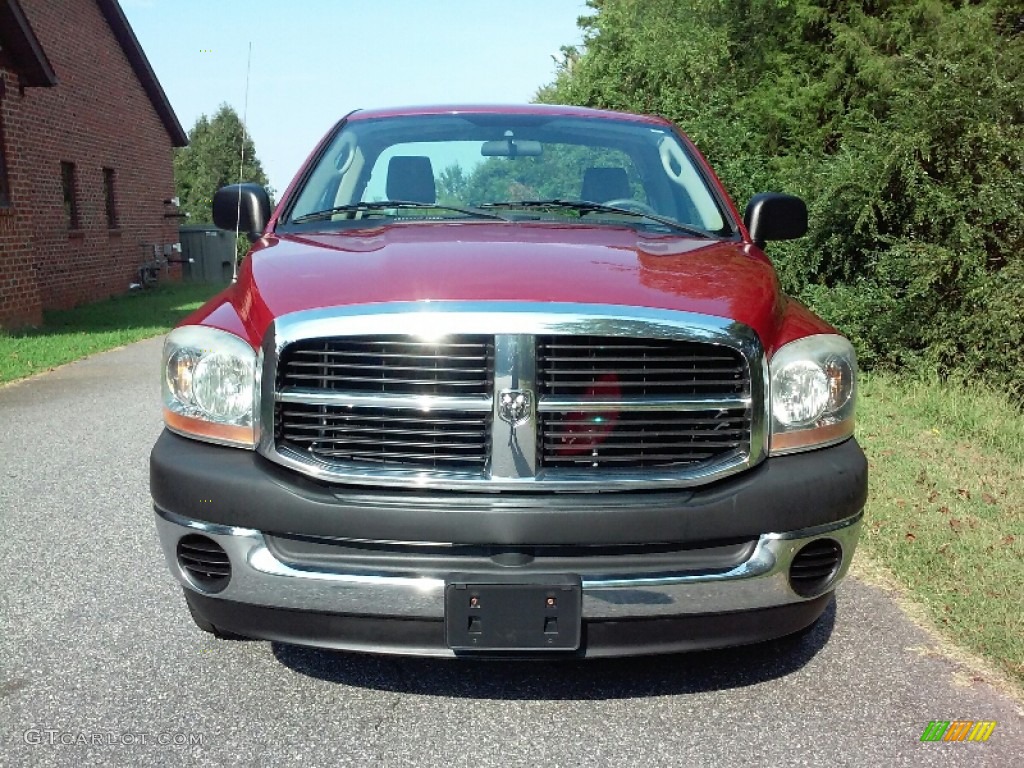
900 121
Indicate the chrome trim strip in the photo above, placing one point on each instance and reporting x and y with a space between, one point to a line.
431 319
424 403
261 579
260 426
545 480
269 351
820 530
214 529
847 434
264 561
514 447
761 562
559 404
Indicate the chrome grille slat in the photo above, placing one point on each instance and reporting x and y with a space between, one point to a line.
384 381
591 384
386 367
657 439
553 433
330 354
399 458
350 422
357 429
357 441
652 404
645 371
409 402
637 460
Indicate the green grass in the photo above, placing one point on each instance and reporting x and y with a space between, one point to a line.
75 333
945 514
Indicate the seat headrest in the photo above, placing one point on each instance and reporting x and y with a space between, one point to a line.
603 184
411 178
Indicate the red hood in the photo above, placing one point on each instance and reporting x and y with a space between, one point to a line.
506 262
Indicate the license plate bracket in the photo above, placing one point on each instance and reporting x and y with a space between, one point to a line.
513 613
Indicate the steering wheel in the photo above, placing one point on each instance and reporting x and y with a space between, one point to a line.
628 204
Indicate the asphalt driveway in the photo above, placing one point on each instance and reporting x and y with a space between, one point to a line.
100 664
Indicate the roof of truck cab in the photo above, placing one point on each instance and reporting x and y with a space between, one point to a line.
504 109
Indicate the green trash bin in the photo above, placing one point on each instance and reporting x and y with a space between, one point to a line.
208 253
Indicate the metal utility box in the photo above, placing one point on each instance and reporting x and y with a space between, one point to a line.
211 251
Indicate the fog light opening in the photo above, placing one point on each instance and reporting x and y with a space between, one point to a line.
815 566
204 562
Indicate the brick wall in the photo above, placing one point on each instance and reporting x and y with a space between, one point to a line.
20 302
98 116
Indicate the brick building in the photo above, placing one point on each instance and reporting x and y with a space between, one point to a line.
86 140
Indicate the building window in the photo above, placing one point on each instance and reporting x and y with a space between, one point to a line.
108 197
67 181
5 184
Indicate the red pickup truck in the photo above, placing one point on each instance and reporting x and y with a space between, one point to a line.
507 381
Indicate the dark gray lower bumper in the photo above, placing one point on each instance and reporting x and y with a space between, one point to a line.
234 487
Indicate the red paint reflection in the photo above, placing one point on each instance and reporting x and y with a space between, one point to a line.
583 432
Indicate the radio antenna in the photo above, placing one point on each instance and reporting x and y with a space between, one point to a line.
241 162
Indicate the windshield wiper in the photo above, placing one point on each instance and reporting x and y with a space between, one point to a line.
383 205
585 206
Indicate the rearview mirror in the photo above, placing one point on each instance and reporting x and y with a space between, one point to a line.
775 216
246 204
511 148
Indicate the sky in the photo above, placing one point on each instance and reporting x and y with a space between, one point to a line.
313 61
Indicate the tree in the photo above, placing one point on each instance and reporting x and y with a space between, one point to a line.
211 161
451 185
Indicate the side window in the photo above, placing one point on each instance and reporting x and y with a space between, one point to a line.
5 185
334 179
696 203
67 182
109 199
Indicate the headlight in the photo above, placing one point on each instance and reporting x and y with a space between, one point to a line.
209 386
813 393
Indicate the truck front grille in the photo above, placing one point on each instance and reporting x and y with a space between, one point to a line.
527 410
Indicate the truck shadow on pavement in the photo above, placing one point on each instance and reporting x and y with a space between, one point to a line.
574 679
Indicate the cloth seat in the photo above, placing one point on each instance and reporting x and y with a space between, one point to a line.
411 178
603 184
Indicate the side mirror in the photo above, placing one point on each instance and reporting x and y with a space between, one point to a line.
251 211
774 216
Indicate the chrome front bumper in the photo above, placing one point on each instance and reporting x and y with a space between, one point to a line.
259 578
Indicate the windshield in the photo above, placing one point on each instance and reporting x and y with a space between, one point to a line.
512 167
